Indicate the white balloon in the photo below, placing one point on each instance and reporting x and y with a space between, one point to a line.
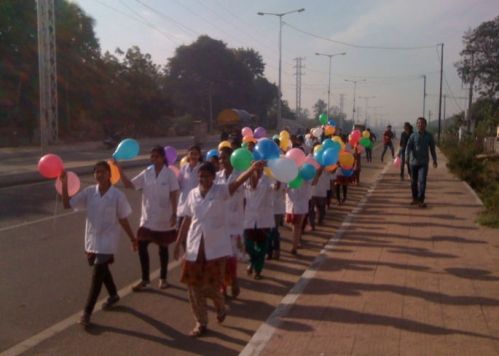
283 169
317 132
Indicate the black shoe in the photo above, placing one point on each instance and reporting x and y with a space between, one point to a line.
110 302
422 204
414 202
85 320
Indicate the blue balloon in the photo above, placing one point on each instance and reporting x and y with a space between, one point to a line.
318 156
127 149
211 153
331 122
327 143
347 172
307 171
330 156
267 149
257 156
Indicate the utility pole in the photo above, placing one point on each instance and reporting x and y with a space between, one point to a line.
440 95
470 96
354 93
366 98
424 94
47 66
298 74
429 117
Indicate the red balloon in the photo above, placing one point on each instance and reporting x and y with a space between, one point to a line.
50 166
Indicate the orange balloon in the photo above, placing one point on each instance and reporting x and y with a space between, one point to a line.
346 159
248 139
115 172
331 168
329 130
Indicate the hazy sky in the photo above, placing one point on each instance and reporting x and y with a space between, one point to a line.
392 76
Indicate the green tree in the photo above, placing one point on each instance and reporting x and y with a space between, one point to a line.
480 57
319 107
252 59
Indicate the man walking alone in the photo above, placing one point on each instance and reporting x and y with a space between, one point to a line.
419 146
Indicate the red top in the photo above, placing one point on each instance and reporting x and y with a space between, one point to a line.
387 137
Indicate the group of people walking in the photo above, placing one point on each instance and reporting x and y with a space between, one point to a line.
216 216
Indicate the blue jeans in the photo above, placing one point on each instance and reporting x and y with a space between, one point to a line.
418 181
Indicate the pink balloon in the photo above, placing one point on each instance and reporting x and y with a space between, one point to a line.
73 184
310 160
246 131
355 136
175 170
50 166
397 161
296 155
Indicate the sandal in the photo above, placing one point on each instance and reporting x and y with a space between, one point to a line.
198 331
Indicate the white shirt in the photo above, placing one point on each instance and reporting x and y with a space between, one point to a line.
297 199
102 230
208 223
259 210
156 202
235 205
188 179
279 200
322 186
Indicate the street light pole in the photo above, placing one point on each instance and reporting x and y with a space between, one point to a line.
366 98
279 93
329 84
424 93
354 91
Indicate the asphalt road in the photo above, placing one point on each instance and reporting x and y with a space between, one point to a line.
44 279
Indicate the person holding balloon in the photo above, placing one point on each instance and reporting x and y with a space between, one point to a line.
107 210
207 243
258 219
188 179
233 221
160 191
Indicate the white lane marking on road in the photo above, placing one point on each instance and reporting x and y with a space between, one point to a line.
34 340
27 223
265 332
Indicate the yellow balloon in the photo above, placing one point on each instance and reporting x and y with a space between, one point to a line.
183 161
115 172
284 143
346 159
366 134
283 134
224 144
317 148
268 172
339 140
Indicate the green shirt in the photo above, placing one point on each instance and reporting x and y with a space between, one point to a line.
418 148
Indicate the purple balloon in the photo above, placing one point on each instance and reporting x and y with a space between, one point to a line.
171 154
259 132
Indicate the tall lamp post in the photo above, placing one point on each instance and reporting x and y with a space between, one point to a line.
366 98
329 84
354 91
280 15
424 93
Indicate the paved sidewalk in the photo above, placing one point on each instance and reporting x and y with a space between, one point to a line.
400 280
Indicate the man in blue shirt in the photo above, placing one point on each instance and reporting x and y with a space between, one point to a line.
419 146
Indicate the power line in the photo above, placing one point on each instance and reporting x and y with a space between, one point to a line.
355 45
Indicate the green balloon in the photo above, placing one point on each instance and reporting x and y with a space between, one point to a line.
365 141
244 145
371 145
296 183
323 119
241 159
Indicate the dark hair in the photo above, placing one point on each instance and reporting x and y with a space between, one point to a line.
161 152
227 150
407 125
208 167
196 148
104 165
421 118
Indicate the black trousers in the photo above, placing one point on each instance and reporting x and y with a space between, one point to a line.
144 260
100 275
338 196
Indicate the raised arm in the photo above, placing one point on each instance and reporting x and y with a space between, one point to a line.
244 177
126 182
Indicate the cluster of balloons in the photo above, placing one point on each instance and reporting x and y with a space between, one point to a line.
51 166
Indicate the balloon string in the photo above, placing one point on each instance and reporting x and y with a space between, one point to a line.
55 211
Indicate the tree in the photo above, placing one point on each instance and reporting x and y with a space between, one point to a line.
252 59
319 107
480 57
